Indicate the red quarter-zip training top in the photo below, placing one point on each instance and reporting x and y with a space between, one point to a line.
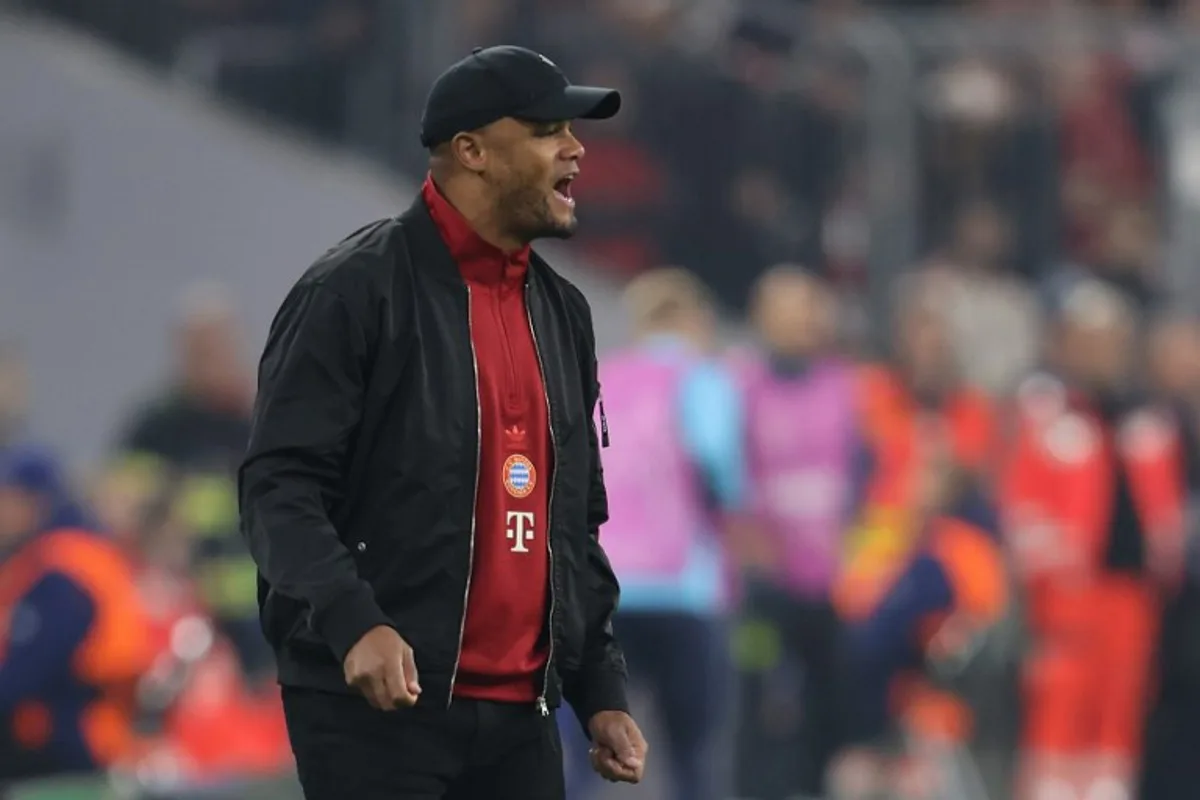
504 649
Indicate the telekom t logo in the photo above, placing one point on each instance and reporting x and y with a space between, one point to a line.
519 530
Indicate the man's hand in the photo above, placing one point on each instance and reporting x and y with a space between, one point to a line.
382 667
618 750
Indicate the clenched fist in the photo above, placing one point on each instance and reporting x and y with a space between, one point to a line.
381 666
618 751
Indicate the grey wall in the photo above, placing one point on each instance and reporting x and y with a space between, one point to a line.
118 189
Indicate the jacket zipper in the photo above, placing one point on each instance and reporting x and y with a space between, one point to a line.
542 706
462 625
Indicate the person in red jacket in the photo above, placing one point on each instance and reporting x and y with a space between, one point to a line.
1094 499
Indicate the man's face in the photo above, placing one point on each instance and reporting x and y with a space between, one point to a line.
20 514
794 316
529 167
983 236
1100 355
210 359
699 325
1174 352
923 346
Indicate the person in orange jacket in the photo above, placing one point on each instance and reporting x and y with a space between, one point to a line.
72 634
949 592
1094 502
913 409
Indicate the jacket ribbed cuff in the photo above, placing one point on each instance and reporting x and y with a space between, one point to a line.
604 690
348 619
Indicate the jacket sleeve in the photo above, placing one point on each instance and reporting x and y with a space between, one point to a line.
311 384
599 683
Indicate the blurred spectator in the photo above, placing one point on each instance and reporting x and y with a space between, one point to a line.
1125 255
986 136
622 188
919 637
197 430
1172 738
202 420
1095 499
1128 254
674 473
1102 160
993 316
1173 373
915 406
198 718
804 448
72 630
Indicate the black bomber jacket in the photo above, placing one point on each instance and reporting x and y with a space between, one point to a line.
357 492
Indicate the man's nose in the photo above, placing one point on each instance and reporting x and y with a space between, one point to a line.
574 150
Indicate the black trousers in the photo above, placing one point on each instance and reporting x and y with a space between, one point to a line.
474 750
780 754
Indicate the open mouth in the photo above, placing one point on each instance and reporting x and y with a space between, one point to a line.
562 190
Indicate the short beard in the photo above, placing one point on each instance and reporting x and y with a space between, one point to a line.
530 218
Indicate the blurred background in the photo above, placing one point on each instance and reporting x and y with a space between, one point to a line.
972 226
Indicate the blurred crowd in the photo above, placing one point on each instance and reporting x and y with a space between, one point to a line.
963 558
859 574
745 137
128 620
935 589
290 58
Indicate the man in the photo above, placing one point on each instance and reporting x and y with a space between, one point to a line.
196 432
1094 502
914 405
1171 769
989 307
803 447
72 630
928 624
674 469
422 487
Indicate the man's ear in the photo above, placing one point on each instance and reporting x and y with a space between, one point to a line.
469 151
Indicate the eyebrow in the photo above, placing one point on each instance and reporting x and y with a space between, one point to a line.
546 127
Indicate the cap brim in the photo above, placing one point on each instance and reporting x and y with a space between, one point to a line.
575 102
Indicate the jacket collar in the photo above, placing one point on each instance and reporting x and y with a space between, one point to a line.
423 237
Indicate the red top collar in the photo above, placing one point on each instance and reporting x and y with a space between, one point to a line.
478 260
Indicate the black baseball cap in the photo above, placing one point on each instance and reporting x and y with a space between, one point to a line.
507 81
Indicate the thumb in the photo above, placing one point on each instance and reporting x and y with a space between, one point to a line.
410 671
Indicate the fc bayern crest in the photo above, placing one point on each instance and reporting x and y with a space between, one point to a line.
519 476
